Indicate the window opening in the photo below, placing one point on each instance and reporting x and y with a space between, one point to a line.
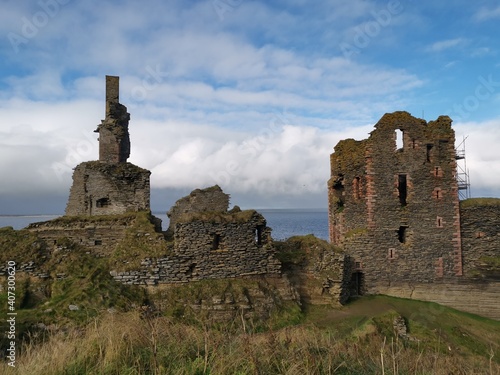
439 222
402 189
402 234
437 193
102 202
191 269
216 242
429 148
392 253
399 139
258 235
357 187
338 193
98 242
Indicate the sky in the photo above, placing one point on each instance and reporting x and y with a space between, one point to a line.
251 95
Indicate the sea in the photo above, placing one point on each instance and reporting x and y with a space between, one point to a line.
284 223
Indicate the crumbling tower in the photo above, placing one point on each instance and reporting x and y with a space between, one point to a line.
114 140
393 204
110 185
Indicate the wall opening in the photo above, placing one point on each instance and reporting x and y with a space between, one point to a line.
258 235
402 189
356 187
191 270
439 222
402 234
438 194
428 155
338 193
392 254
102 202
357 284
216 242
399 139
98 242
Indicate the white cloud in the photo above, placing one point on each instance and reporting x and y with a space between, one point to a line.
483 161
486 14
446 44
265 90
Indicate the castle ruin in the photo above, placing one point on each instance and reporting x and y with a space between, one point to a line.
108 212
110 185
394 207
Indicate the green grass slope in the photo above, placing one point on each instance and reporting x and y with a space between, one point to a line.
357 339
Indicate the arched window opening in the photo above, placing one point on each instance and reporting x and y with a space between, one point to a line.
399 139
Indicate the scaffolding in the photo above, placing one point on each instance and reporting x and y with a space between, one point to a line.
463 179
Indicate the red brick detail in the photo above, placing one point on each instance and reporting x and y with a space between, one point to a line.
437 172
439 222
439 267
438 193
370 190
391 254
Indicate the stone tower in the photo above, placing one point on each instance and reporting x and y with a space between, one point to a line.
114 141
111 185
393 203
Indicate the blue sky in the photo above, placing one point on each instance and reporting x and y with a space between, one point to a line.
251 95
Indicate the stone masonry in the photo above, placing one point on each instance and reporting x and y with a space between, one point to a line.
210 242
212 199
395 209
114 141
111 185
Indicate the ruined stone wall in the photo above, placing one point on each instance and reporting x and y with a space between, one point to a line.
215 247
347 186
108 189
319 271
480 219
211 199
99 236
399 214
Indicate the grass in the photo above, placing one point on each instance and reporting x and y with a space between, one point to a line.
75 278
20 245
125 218
478 202
218 217
141 241
134 343
295 250
111 333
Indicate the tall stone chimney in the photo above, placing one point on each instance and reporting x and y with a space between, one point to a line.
114 140
112 91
